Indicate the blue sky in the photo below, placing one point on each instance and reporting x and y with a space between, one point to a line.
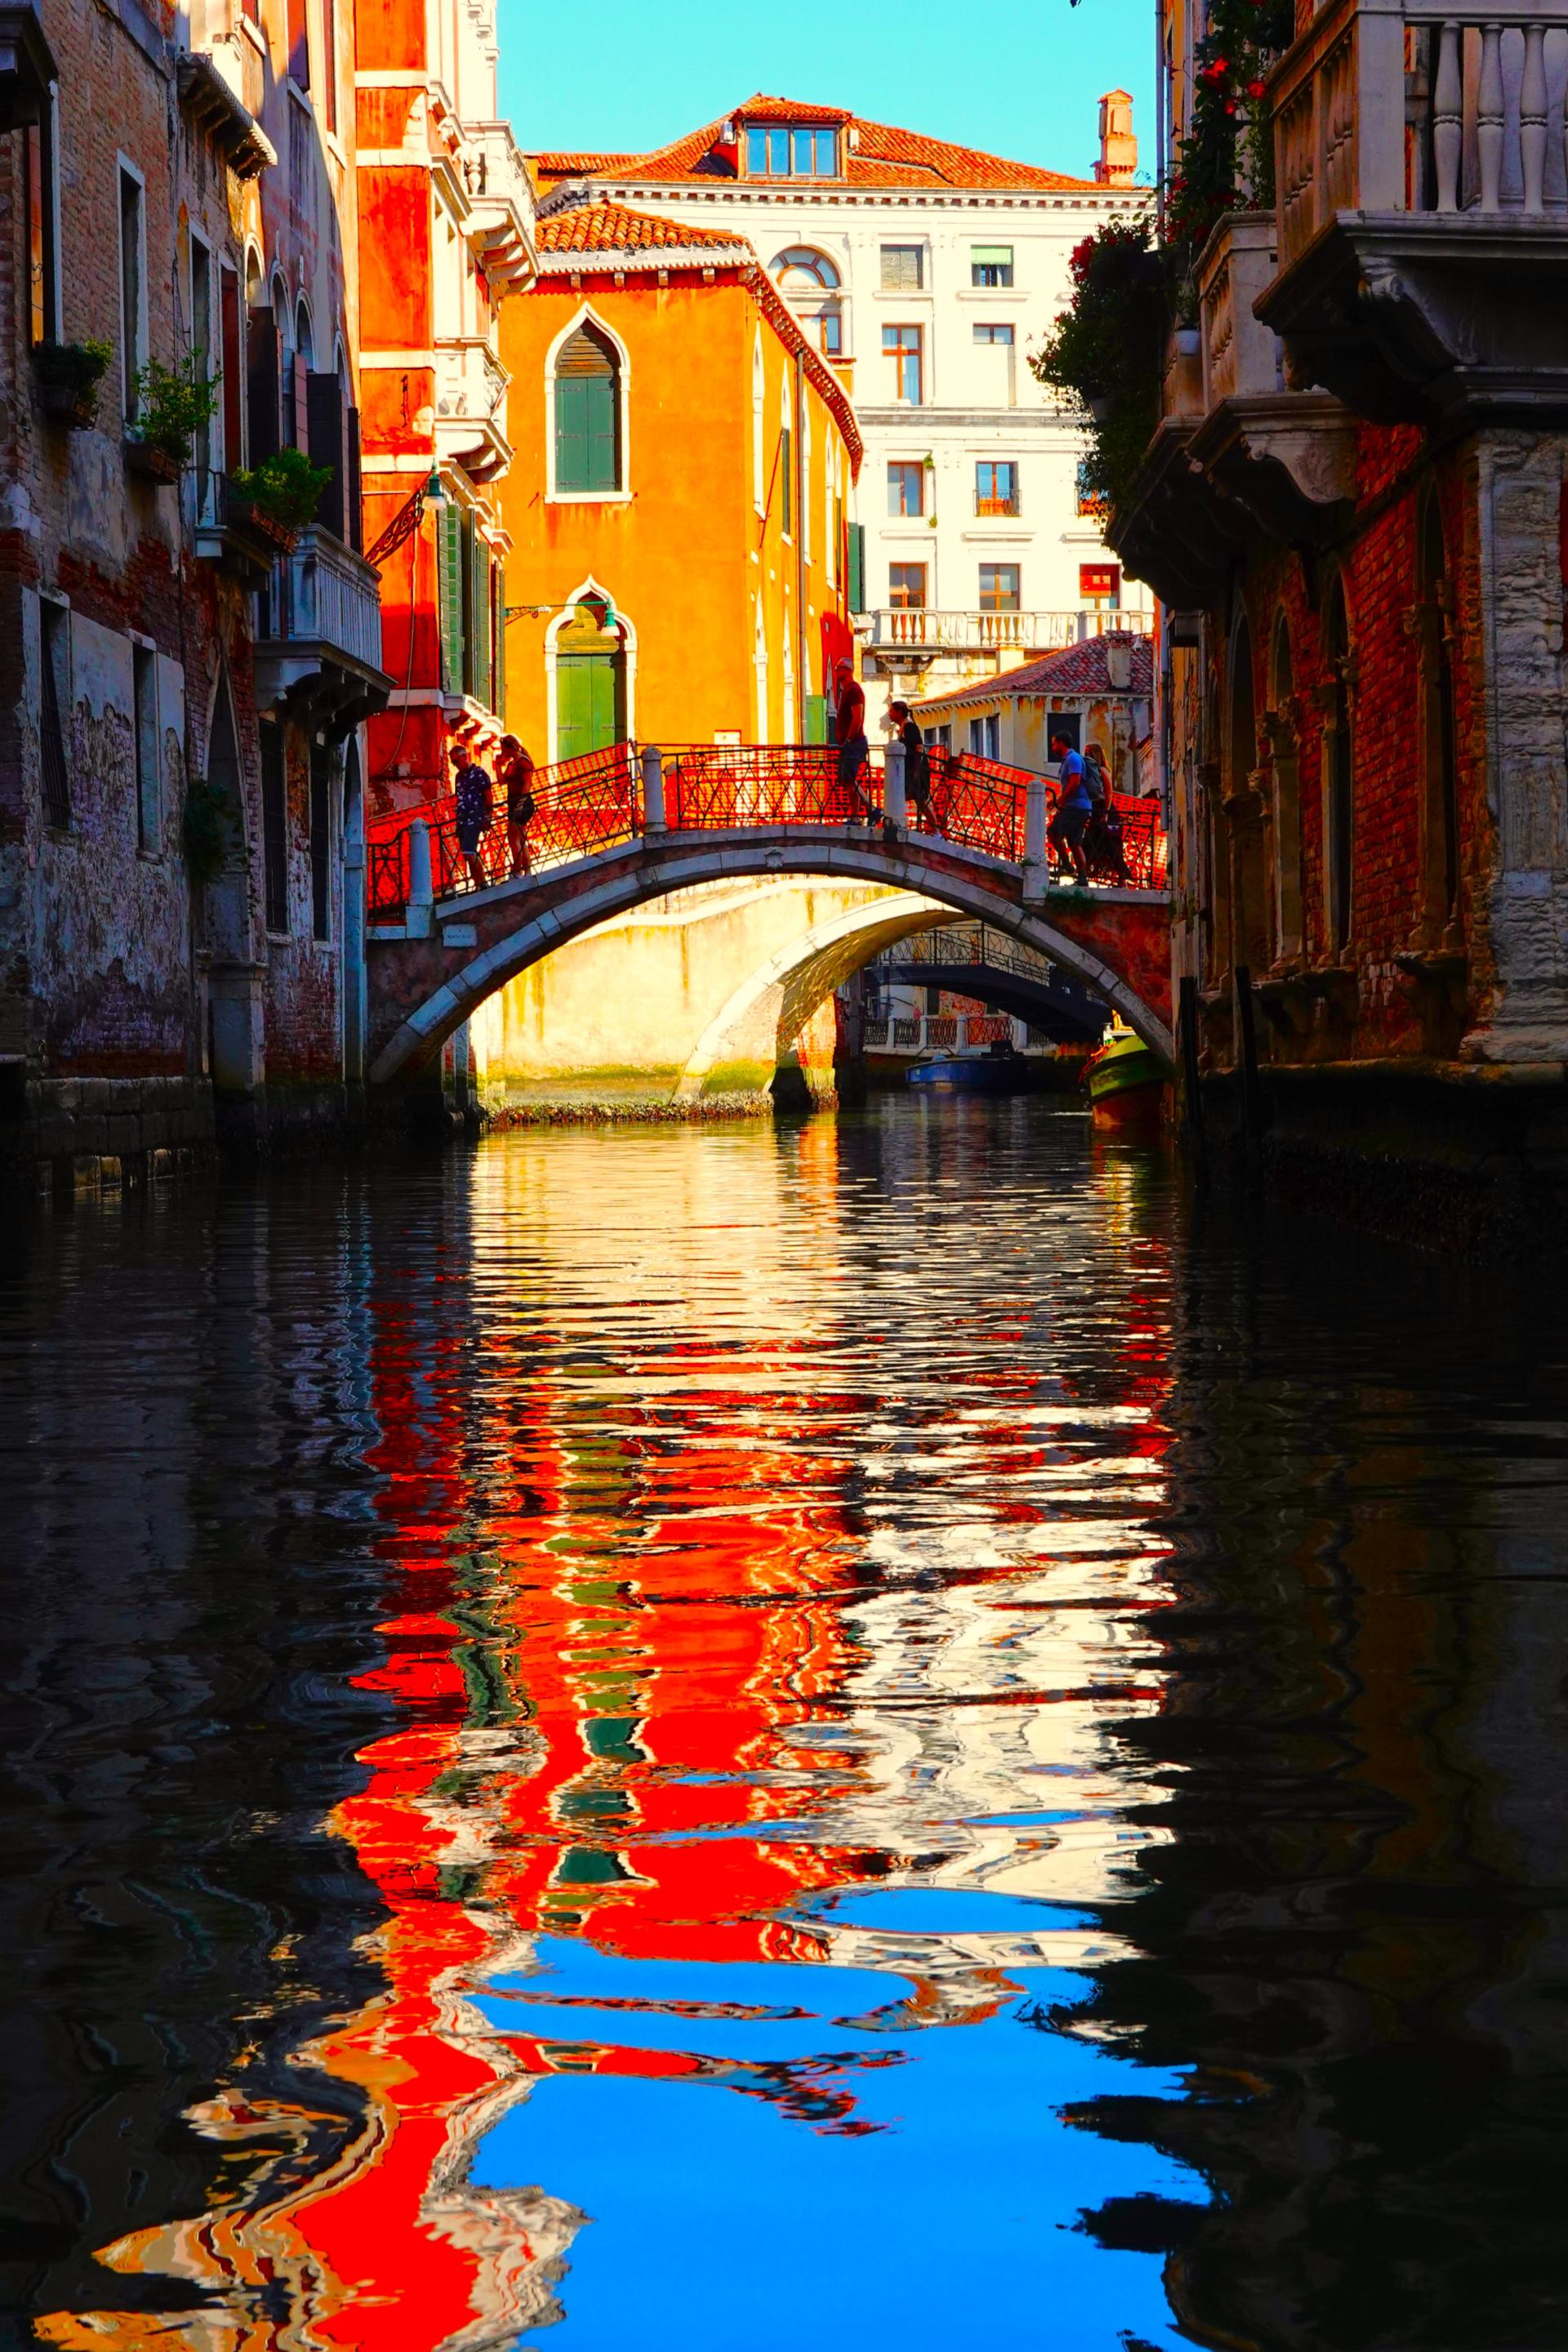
1021 78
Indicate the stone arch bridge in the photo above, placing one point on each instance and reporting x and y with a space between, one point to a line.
447 927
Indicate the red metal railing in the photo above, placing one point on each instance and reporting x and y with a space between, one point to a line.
594 803
580 806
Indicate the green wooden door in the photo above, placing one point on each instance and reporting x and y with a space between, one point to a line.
589 703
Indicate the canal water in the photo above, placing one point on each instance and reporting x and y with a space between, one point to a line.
885 1734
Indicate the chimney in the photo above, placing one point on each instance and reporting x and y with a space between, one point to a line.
1118 146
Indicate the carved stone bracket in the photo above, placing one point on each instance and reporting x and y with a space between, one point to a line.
1172 530
1286 459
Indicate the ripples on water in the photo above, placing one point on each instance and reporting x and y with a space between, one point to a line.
721 1741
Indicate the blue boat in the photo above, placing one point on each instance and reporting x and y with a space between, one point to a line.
993 1073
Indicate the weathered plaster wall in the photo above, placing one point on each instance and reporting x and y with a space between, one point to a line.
622 1012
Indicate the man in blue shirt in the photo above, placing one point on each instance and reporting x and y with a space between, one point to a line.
1066 828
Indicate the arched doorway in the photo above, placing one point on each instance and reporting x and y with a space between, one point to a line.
1244 811
590 699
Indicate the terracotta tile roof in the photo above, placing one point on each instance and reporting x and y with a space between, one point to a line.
562 160
788 109
569 233
613 228
939 161
876 154
1077 669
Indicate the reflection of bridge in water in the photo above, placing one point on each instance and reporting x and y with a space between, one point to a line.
450 925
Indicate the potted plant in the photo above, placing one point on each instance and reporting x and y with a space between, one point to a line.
69 375
282 493
172 405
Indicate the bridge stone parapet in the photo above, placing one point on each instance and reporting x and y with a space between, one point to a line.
428 974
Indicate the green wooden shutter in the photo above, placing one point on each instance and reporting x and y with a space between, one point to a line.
856 567
449 555
817 718
588 704
498 704
465 582
483 686
603 432
587 414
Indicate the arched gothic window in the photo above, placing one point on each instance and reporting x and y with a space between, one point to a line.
588 454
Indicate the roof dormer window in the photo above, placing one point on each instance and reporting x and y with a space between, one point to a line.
796 150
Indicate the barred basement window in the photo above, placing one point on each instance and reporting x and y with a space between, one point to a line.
274 830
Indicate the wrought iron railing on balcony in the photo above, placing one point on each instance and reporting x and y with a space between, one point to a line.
920 628
1422 106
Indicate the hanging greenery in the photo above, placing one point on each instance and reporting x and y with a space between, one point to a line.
1227 157
1105 353
285 487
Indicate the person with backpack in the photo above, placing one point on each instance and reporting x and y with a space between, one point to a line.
1066 828
517 772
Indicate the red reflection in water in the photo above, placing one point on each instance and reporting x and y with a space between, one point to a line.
612 1651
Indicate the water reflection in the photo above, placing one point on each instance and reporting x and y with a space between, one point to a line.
855 1735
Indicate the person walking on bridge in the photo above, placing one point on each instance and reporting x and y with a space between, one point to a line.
849 712
917 760
1066 831
517 774
471 812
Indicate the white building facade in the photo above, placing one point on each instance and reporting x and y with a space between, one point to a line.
927 273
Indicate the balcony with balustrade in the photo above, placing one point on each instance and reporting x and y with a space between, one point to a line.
1423 208
1239 452
912 634
501 207
318 646
471 406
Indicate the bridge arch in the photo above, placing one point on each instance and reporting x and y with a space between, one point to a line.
482 940
775 1000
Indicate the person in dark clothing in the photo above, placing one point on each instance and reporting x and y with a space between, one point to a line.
850 713
471 812
517 774
917 761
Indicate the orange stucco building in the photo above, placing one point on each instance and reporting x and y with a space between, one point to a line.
676 502
445 214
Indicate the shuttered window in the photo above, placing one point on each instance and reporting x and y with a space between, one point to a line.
901 271
450 558
481 683
587 414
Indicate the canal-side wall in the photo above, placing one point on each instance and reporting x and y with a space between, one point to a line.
1466 1161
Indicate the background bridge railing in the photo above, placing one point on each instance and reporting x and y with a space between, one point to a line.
596 802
